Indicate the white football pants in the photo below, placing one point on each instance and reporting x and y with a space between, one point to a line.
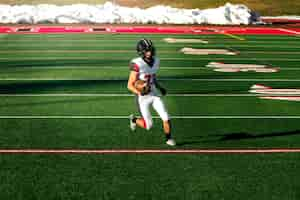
144 103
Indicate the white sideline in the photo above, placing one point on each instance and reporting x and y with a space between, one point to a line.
148 151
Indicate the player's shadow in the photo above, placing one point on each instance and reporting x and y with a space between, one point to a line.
235 136
58 85
62 62
52 102
192 140
241 136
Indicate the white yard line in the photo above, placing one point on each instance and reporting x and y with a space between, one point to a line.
131 95
28 51
195 58
156 117
211 44
122 68
212 41
95 67
150 151
125 40
163 79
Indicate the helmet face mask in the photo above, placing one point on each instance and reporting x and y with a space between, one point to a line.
144 46
148 54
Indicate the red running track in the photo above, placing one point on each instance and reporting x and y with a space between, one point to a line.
34 29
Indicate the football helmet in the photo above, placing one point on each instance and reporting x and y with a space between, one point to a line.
145 45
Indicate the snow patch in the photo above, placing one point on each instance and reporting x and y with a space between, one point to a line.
177 40
275 94
282 98
193 51
228 14
221 67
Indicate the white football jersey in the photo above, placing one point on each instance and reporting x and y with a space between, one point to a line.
145 71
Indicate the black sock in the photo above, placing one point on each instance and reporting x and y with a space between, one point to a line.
168 136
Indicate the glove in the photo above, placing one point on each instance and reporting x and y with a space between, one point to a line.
146 90
163 91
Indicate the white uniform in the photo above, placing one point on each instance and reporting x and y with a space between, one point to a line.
148 73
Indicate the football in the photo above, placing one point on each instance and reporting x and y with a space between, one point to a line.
142 86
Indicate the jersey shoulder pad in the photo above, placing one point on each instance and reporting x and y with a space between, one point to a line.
134 66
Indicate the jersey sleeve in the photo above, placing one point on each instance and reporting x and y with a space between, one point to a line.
134 67
158 62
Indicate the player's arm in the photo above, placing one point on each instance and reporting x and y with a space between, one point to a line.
159 86
131 81
133 77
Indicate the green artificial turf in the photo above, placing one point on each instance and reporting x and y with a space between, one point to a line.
88 66
150 177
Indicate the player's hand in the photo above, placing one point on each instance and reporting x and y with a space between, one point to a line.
163 91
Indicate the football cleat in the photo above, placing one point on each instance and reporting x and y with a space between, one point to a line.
132 124
171 142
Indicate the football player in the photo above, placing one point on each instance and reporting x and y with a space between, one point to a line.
144 68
